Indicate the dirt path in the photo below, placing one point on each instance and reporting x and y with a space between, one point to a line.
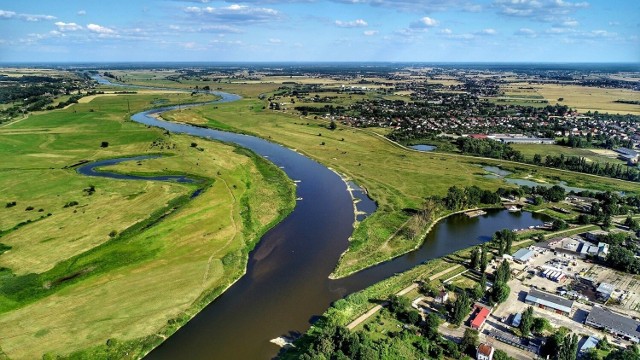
352 325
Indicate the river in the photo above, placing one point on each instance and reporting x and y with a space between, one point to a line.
286 285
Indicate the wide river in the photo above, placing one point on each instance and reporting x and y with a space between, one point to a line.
287 285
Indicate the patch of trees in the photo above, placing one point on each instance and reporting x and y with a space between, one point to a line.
332 342
460 308
10 204
500 290
458 198
503 240
489 148
561 346
621 258
530 324
554 194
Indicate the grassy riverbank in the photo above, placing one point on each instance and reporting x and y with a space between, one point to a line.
398 179
113 271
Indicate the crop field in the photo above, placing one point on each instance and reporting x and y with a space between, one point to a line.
128 262
367 157
580 97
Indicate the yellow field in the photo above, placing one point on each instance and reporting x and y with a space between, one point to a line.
581 97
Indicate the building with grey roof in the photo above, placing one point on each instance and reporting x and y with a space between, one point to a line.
523 255
604 291
548 301
614 323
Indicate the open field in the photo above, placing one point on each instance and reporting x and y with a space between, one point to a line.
606 156
579 97
367 157
69 285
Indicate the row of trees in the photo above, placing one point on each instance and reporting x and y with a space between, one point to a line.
580 164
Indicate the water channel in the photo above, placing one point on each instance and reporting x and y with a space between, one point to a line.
286 285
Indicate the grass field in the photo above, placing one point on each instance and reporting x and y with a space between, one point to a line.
529 150
367 158
68 286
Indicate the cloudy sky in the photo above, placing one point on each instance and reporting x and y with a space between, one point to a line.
321 30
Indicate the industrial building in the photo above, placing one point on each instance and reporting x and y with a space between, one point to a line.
614 323
548 301
523 255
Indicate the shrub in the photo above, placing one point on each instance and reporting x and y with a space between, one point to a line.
104 144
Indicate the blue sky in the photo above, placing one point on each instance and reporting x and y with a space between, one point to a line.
315 30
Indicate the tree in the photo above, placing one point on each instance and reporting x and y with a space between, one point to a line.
478 292
539 325
500 292
501 355
559 224
632 223
332 125
398 304
474 261
461 308
526 322
431 323
604 344
469 342
537 159
484 260
104 144
503 274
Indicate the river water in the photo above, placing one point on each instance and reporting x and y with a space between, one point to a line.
286 285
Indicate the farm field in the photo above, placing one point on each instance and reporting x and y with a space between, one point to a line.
89 261
581 98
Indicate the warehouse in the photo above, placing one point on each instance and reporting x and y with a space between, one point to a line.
616 324
550 302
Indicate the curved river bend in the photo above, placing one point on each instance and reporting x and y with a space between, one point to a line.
287 284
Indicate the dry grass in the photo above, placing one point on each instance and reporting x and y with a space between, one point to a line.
581 97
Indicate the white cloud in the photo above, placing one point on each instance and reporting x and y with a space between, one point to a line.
62 26
275 41
424 23
570 23
82 12
539 10
100 29
487 32
4 14
351 24
370 32
237 14
526 32
445 32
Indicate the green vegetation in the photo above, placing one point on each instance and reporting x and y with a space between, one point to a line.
80 271
366 157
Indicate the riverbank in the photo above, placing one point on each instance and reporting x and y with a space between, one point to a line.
348 270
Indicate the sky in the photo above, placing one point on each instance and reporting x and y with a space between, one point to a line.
320 30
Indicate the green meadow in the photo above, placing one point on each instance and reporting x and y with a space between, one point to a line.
109 268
